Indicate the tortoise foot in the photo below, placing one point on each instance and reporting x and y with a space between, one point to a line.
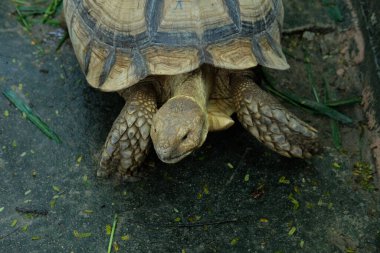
128 142
271 123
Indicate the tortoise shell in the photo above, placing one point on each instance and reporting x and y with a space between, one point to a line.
120 42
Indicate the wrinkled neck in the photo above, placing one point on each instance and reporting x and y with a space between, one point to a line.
196 85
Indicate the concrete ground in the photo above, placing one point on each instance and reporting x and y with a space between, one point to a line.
232 195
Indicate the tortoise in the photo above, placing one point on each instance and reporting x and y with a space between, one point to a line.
183 67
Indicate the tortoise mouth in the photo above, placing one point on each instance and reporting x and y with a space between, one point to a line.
174 159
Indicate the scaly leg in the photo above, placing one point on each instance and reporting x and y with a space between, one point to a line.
270 122
128 141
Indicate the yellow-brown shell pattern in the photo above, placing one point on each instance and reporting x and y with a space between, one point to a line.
119 42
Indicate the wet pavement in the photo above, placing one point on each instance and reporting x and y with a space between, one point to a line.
232 195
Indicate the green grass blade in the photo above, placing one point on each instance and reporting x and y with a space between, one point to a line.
337 139
310 75
51 9
61 41
320 108
53 22
335 13
30 115
346 101
30 10
28 13
268 85
281 95
333 10
24 22
326 89
112 234
19 2
306 103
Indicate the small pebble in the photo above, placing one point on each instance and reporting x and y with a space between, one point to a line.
340 72
308 35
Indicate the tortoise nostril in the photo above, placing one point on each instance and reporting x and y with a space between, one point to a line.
184 137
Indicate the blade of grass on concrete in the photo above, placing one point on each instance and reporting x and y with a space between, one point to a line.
333 10
112 234
61 41
30 115
24 22
268 84
30 10
19 2
303 102
281 95
337 140
320 108
33 9
310 75
51 9
53 22
346 101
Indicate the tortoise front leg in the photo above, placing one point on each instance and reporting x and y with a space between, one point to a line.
270 122
128 141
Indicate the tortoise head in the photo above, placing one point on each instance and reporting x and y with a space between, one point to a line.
179 127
